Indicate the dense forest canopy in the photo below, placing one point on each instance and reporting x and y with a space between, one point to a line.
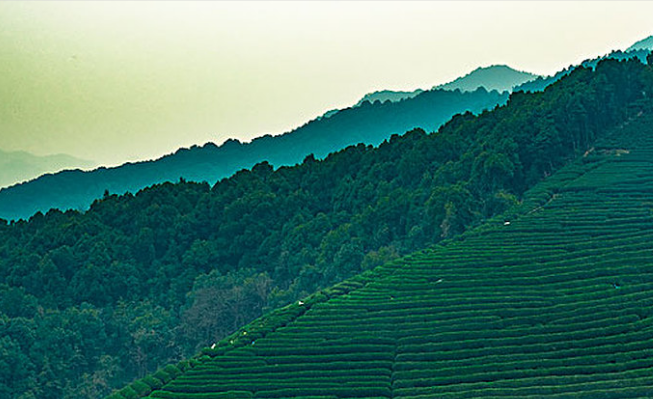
552 299
89 301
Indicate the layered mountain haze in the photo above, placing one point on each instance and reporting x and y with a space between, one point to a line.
368 124
495 77
76 189
333 131
20 166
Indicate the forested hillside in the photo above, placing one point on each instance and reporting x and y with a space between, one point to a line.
552 301
92 300
369 124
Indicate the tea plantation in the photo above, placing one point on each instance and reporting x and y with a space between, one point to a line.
552 300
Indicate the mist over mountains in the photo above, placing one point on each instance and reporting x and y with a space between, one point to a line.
373 119
495 77
20 166
368 124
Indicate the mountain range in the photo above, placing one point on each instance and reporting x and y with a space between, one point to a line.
76 189
368 124
495 77
371 124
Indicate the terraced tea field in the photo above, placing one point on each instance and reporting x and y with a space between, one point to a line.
553 301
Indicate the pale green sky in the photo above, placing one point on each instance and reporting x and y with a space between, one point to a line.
119 81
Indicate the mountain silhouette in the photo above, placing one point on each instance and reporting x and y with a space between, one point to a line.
494 77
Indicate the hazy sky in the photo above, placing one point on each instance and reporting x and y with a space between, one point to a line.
118 81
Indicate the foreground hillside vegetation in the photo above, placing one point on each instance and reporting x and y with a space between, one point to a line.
554 303
91 300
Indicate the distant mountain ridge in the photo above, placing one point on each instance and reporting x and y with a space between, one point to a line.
330 132
368 124
494 77
20 166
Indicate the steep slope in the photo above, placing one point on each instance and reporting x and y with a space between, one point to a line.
20 166
494 77
553 300
369 124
